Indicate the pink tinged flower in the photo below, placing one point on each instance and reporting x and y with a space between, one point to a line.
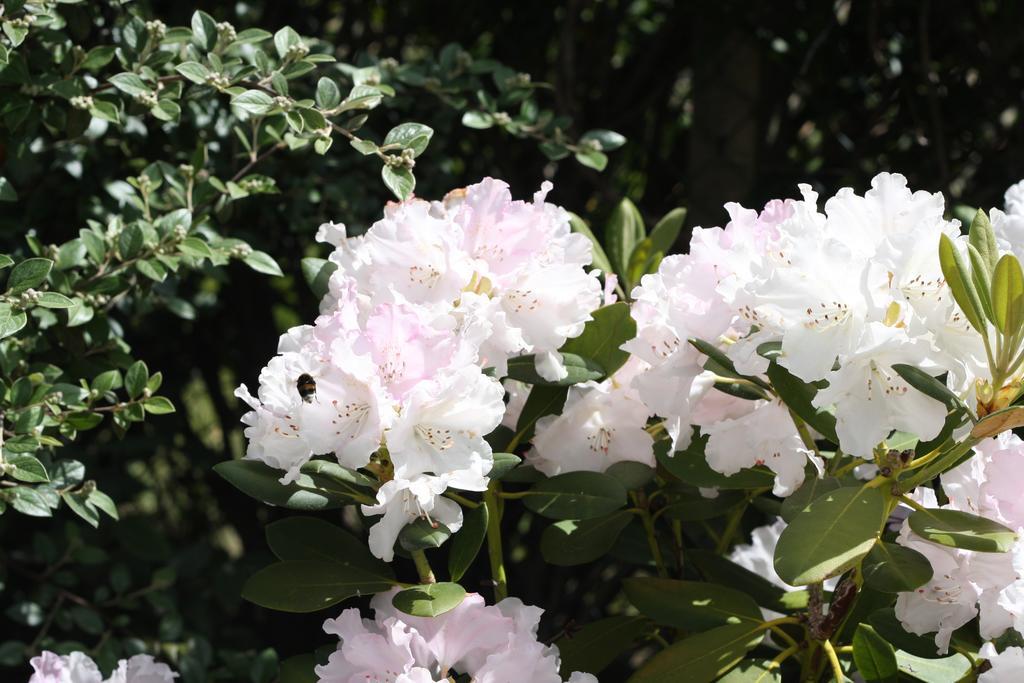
372 652
517 393
600 425
441 426
142 669
611 281
76 667
401 502
764 436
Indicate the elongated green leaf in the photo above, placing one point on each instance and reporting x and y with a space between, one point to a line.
702 658
797 395
812 488
928 385
29 273
429 600
981 277
942 670
958 277
579 369
690 506
576 495
467 542
891 568
611 327
691 467
571 542
600 258
317 273
625 228
874 656
963 530
830 535
1008 295
753 671
690 605
310 585
983 239
503 464
592 648
27 468
309 538
308 492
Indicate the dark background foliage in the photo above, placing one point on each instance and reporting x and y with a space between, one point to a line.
721 101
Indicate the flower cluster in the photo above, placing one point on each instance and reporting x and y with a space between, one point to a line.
490 644
391 374
966 584
839 295
77 667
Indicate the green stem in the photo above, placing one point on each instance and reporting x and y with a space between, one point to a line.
652 538
730 528
494 549
423 567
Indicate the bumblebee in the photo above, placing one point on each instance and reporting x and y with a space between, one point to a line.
306 386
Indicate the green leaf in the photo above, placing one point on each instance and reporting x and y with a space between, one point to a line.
29 273
798 396
364 147
611 327
690 605
252 35
193 71
98 57
130 241
592 648
82 507
753 671
26 468
204 30
665 233
599 257
981 276
591 158
399 180
107 111
701 658
7 193
130 84
608 139
625 228
103 502
571 542
503 464
1008 295
928 385
954 668
524 369
317 273
195 247
254 102
957 276
53 300
813 487
28 501
328 96
983 239
576 495
158 405
299 538
689 506
963 530
135 378
11 323
310 585
465 545
423 535
691 467
891 568
477 119
830 535
874 657
429 600
285 39
414 136
262 262
308 492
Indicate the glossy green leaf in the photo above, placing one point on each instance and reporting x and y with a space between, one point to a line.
874 657
798 396
503 464
1008 295
625 228
328 96
317 273
690 605
701 658
466 543
691 467
599 258
26 468
939 670
892 568
958 277
571 542
310 585
928 385
830 535
307 492
429 600
982 237
963 530
576 495
611 327
597 644
399 180
813 487
29 273
309 538
263 262
414 136
423 535
579 369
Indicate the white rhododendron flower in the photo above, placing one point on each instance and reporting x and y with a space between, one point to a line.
1007 666
968 584
490 644
418 307
78 667
600 425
